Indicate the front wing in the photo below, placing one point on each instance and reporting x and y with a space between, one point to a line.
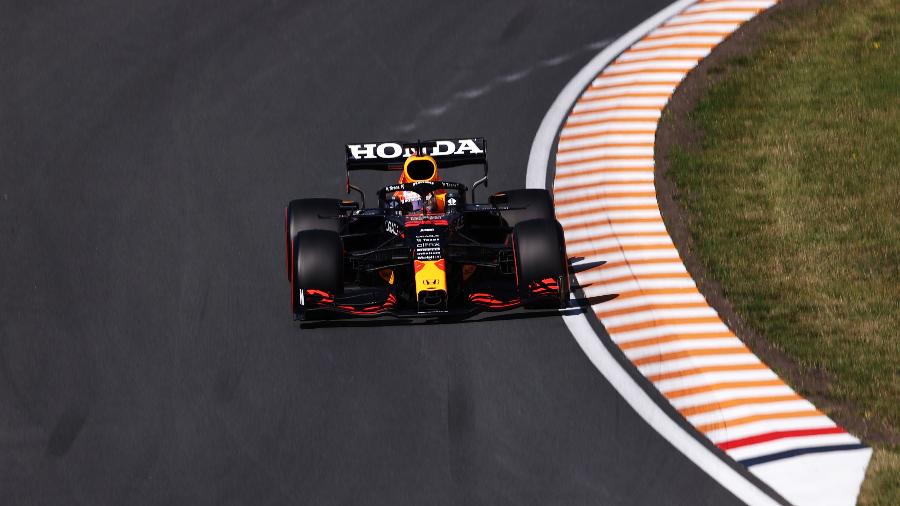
378 302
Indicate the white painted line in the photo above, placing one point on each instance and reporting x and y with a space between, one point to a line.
712 378
607 202
718 15
612 228
658 65
609 126
710 40
644 284
603 163
605 177
620 102
649 89
601 116
605 273
731 4
701 28
688 345
658 314
732 413
609 138
575 156
645 77
685 364
610 215
672 329
601 191
648 300
726 394
694 52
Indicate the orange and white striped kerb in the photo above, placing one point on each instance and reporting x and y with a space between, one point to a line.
606 202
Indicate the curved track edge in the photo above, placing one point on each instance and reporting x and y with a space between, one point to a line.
658 342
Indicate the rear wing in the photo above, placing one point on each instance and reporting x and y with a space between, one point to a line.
391 155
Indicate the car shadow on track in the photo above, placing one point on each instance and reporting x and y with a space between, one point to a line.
578 306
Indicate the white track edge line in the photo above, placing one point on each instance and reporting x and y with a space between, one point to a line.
580 327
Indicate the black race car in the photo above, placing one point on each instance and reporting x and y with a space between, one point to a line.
424 250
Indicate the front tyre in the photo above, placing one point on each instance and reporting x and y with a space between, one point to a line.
318 264
309 214
542 268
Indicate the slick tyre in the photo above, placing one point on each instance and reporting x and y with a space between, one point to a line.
540 258
528 204
318 264
308 214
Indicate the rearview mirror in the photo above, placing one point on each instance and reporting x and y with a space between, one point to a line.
499 199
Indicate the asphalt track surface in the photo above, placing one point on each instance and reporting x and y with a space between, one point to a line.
147 352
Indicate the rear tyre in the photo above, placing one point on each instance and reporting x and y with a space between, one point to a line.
307 214
318 264
528 204
540 255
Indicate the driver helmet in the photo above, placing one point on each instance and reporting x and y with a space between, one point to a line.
417 169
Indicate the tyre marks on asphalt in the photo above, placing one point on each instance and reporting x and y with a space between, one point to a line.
606 201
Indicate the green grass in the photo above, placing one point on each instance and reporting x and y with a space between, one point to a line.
793 202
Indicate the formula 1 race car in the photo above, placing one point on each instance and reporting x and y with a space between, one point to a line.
424 250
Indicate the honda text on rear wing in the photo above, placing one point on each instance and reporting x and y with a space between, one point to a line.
390 156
